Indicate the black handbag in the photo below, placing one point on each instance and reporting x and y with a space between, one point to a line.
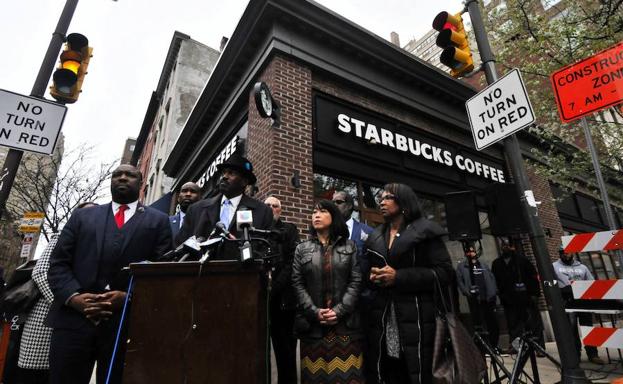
456 359
21 293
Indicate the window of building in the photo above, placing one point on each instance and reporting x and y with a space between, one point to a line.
588 208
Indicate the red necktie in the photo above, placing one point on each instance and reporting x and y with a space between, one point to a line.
120 215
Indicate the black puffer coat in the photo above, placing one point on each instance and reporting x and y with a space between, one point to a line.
415 253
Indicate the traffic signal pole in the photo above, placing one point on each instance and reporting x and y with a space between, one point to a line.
13 158
569 358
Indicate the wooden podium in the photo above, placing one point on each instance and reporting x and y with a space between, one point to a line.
186 327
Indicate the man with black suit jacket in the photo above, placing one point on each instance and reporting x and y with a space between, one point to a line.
201 217
86 278
189 194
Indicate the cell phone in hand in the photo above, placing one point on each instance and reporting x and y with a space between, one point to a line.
376 259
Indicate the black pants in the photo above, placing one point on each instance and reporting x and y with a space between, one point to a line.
284 342
73 352
484 316
394 371
585 319
33 376
522 317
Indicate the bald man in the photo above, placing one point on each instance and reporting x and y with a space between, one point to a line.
282 300
189 193
88 283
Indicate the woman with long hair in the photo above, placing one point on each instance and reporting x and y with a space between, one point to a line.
327 282
407 254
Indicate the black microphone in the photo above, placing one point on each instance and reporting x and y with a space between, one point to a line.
221 227
189 245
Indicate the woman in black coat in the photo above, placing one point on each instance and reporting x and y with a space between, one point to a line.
404 252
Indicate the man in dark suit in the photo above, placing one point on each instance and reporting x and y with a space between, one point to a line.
201 217
87 281
282 299
189 194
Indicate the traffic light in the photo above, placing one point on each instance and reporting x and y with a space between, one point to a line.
453 39
68 78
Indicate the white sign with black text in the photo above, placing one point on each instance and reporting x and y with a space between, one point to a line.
499 110
28 123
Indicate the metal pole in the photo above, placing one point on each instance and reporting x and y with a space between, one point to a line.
570 372
600 182
13 158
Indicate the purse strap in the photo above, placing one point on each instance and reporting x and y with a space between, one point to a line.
438 295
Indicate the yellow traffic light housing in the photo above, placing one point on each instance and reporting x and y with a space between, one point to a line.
452 38
68 78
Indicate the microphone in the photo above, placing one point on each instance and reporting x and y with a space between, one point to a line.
244 221
188 246
222 229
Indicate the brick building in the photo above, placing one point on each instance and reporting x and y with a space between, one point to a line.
356 112
187 67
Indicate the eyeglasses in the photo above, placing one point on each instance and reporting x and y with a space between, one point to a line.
273 205
339 202
380 199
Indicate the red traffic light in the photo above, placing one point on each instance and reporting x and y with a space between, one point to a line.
456 53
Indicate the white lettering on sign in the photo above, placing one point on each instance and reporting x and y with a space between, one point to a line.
371 133
28 123
225 154
499 110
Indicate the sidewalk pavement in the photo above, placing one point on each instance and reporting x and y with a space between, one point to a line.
597 374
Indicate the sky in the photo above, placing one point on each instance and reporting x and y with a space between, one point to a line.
130 39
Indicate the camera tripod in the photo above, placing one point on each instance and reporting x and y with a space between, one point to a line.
527 348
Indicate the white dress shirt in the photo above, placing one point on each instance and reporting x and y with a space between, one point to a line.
349 224
127 215
182 215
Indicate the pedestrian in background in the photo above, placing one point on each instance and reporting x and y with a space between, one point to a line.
568 269
518 288
327 282
407 254
477 283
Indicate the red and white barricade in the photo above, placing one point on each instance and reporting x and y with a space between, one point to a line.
594 241
598 289
602 337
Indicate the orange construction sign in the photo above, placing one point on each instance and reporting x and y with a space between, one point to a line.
590 85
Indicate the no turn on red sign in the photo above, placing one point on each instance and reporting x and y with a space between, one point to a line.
29 123
590 85
499 110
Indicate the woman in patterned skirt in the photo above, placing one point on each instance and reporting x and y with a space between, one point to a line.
327 282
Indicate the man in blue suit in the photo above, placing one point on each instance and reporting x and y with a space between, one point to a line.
88 283
358 231
189 193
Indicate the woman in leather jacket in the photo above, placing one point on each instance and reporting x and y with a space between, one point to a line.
327 282
403 252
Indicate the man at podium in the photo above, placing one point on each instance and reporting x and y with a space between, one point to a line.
202 217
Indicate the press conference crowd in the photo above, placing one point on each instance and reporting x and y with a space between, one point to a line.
363 302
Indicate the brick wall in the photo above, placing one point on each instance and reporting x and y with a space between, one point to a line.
277 152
